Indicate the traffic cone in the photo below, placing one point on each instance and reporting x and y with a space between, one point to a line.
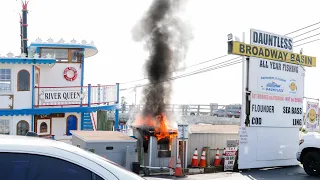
217 159
178 170
195 162
203 161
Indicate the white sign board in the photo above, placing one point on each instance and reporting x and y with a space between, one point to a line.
275 110
277 91
312 117
183 131
54 96
276 77
229 158
271 40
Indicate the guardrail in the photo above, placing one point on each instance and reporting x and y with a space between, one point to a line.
190 109
75 95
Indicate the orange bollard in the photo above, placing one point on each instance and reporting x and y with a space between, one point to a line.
203 161
195 162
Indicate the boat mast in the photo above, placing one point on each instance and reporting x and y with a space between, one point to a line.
24 28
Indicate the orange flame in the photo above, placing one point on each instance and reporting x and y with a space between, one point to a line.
160 125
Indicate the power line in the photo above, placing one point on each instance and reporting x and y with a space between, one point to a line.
182 68
307 38
224 64
302 28
237 60
208 67
306 32
307 42
213 67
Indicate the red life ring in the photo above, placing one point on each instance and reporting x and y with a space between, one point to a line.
75 74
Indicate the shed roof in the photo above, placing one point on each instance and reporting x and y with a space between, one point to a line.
217 129
102 136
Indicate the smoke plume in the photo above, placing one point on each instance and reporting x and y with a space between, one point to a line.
166 38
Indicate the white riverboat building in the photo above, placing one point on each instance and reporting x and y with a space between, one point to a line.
43 90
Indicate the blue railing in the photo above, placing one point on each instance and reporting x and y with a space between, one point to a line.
76 95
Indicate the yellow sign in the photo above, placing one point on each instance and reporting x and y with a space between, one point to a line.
312 115
243 49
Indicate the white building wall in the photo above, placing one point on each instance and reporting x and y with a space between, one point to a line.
53 76
14 121
59 125
21 99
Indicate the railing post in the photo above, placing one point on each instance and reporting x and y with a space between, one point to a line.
116 118
89 95
99 89
198 112
104 94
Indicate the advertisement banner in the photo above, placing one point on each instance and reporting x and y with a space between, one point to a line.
229 158
270 110
312 117
276 77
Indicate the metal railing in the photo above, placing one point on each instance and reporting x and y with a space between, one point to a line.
75 95
190 109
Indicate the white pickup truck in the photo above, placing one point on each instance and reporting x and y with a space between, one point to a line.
309 154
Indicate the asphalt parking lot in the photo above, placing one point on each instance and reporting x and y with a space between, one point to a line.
290 173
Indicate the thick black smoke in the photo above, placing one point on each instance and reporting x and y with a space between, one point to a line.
166 38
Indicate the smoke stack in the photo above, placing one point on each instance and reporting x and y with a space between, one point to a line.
21 41
25 27
166 37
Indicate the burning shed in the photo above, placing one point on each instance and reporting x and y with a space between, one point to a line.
166 39
156 139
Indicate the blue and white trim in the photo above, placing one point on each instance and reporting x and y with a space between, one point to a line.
89 49
45 111
27 61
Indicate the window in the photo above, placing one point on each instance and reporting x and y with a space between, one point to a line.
43 127
5 79
30 166
4 126
63 55
75 55
23 80
59 54
22 127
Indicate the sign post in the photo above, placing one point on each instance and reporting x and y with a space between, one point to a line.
183 133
